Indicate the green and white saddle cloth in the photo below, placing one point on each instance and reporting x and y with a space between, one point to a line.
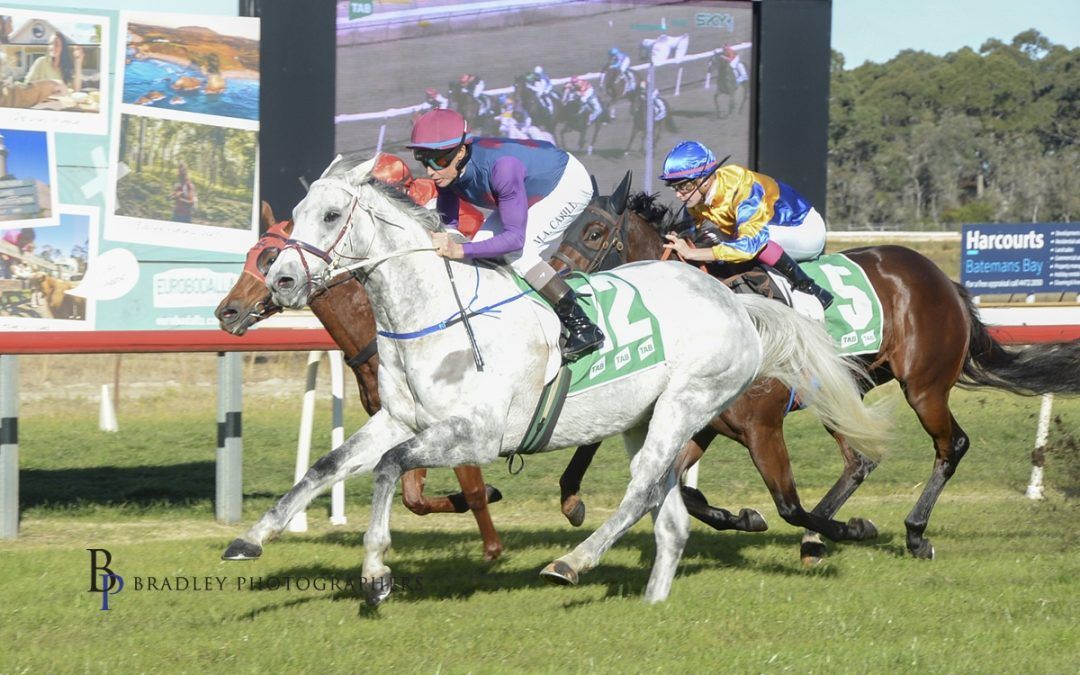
632 340
854 320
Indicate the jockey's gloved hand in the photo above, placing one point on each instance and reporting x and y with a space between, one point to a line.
707 237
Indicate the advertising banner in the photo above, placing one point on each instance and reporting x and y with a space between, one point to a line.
128 164
1036 258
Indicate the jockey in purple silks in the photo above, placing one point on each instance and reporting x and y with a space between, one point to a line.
535 190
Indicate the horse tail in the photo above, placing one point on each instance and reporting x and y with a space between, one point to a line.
798 352
1033 370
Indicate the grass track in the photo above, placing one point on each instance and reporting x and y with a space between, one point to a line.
1001 596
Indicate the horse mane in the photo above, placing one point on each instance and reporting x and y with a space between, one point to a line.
398 198
648 206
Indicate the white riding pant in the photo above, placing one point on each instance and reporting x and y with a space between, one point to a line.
547 219
804 241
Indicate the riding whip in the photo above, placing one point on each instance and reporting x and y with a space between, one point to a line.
477 358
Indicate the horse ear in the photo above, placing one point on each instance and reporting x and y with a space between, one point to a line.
361 171
267 215
617 200
327 170
595 187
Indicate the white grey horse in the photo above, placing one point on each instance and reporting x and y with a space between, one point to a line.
440 410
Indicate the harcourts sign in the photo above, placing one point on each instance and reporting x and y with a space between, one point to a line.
1038 258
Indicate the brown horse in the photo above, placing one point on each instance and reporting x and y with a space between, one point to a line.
345 313
933 339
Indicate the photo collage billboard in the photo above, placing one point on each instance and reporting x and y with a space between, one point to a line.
128 164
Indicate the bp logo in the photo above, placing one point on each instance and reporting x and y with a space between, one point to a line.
102 579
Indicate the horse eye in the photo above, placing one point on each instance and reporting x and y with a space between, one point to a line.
595 234
331 216
266 259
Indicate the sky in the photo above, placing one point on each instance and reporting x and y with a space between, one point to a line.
877 30
27 154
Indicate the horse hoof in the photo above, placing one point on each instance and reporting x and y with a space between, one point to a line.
577 514
754 521
924 550
812 553
864 528
377 589
493 494
241 549
560 574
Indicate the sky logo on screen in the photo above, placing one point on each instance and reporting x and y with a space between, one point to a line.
975 242
102 579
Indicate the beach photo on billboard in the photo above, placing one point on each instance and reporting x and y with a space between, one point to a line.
54 71
181 183
392 66
28 192
35 282
205 65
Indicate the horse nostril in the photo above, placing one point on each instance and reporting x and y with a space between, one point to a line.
226 314
285 283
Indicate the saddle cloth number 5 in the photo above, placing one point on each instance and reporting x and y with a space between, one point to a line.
859 310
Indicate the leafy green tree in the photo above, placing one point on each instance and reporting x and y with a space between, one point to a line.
986 135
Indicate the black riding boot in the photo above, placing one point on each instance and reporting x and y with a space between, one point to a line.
801 281
583 335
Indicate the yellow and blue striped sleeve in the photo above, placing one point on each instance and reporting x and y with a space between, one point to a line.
751 201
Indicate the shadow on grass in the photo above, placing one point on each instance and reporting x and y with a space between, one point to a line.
176 484
429 565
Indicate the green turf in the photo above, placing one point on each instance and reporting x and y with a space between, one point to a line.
1000 597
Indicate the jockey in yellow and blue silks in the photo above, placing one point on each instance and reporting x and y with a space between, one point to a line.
535 191
758 218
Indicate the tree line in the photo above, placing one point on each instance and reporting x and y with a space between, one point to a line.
927 141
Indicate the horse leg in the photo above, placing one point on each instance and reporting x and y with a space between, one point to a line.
748 520
676 416
360 452
950 443
412 492
477 499
671 529
770 456
570 483
857 467
474 495
454 441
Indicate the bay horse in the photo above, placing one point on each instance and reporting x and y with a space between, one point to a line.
574 116
933 339
346 314
725 84
543 111
479 112
443 405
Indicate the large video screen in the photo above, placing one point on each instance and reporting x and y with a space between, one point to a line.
549 70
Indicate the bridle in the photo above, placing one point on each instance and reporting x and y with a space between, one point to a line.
336 273
614 245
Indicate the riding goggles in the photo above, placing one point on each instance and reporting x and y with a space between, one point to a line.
437 159
682 187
